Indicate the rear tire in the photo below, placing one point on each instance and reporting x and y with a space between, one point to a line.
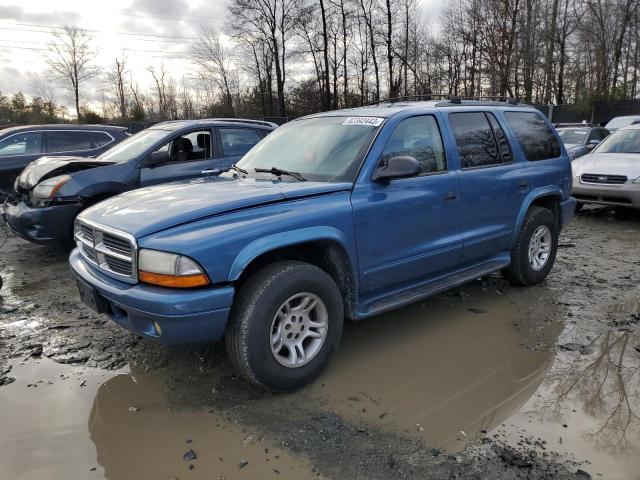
535 249
270 314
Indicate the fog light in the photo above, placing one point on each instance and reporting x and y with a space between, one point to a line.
156 325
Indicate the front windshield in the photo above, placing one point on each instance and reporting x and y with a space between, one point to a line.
571 136
324 149
134 146
622 141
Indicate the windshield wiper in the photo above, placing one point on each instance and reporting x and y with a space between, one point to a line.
279 172
239 170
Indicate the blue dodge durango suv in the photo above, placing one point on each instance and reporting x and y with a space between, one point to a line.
344 214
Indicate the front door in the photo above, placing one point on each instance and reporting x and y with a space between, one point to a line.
408 230
190 156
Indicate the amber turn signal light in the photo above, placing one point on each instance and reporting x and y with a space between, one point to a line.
173 281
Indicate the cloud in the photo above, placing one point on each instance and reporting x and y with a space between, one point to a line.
46 17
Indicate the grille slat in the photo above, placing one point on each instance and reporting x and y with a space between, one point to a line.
108 251
604 179
117 244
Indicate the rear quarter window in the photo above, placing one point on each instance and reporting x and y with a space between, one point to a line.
536 139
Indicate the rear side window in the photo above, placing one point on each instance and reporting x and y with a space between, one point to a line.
417 137
100 139
475 139
27 143
58 142
238 141
536 139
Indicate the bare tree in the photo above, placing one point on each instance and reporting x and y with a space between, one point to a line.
116 77
213 58
70 60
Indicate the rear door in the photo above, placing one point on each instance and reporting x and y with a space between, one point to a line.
233 143
69 142
191 156
492 184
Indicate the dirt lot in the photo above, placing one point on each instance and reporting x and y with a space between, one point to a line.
484 382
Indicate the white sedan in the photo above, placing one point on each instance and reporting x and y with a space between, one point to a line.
610 174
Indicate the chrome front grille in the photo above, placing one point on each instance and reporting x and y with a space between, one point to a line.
112 251
604 179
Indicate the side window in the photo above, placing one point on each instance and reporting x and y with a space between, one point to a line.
418 137
501 138
237 141
27 143
536 139
474 137
100 139
189 147
68 141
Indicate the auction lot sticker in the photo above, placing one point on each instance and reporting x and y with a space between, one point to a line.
368 121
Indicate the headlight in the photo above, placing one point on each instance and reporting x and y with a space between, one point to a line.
48 188
170 270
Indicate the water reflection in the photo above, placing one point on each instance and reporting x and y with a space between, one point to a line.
605 386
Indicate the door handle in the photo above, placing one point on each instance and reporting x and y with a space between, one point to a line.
451 197
210 171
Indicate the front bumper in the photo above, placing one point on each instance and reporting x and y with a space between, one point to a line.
184 316
42 225
627 194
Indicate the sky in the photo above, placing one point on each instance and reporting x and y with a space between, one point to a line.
151 32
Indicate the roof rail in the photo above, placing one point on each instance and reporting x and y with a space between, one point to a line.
494 98
244 120
421 97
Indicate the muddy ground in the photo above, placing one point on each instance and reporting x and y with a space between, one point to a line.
483 382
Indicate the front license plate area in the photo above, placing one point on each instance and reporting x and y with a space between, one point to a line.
92 298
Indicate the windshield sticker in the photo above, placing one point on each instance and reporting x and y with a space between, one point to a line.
367 121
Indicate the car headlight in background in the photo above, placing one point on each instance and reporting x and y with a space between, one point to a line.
48 188
170 270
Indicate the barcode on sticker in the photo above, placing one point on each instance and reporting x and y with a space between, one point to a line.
368 121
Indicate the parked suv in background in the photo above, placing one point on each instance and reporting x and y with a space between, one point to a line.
19 146
53 190
342 214
579 139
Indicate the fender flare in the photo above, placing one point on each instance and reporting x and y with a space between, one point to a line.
532 196
288 238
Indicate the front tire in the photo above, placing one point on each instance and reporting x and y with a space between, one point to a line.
285 324
535 250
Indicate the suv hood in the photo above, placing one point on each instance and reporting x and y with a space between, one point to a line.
148 210
627 164
47 167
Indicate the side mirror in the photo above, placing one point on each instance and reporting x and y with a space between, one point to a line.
592 144
397 167
157 158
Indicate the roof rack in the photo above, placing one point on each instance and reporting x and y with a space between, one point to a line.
421 97
572 124
447 96
244 120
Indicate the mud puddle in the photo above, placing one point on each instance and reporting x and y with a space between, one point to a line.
78 423
443 373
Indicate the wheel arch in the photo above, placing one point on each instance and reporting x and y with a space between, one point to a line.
324 247
547 197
